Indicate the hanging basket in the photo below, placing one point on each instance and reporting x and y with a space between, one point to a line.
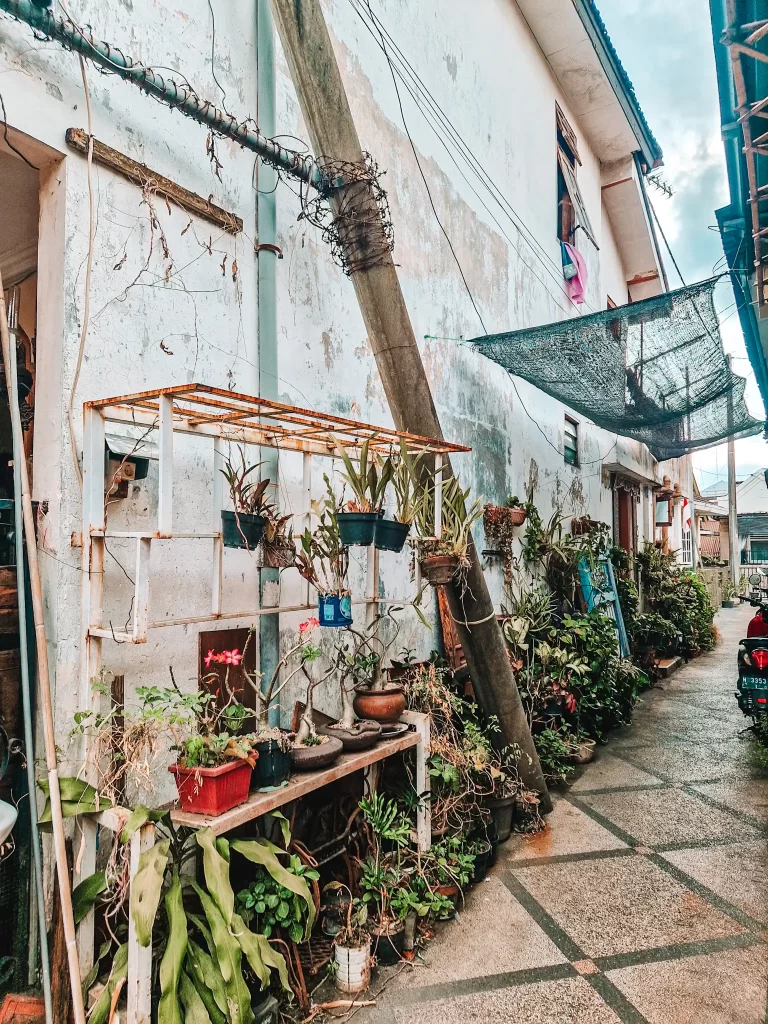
334 610
241 530
439 570
280 554
357 529
391 535
499 522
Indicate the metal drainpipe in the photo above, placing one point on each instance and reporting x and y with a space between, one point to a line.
26 697
266 214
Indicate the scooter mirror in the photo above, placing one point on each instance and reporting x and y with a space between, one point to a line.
754 579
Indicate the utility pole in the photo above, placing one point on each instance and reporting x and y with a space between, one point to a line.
733 522
324 106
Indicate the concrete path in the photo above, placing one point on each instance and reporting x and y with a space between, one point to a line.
646 898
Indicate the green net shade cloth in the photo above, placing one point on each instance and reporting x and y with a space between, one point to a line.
653 370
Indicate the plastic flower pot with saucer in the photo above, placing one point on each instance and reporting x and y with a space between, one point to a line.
357 529
482 861
385 705
334 610
439 570
391 535
273 768
212 791
452 892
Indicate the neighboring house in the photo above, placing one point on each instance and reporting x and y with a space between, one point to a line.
752 514
537 92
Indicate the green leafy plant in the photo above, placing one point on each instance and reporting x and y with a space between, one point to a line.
457 519
272 906
410 474
555 749
368 480
248 494
323 561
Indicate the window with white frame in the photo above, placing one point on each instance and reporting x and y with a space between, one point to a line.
571 441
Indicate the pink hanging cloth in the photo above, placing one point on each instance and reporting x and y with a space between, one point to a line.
577 285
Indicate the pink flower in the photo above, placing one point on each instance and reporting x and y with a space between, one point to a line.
309 625
233 657
210 656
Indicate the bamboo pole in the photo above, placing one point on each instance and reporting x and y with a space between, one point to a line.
44 682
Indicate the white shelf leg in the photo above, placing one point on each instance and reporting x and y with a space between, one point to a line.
306 502
139 981
218 543
165 495
141 592
424 811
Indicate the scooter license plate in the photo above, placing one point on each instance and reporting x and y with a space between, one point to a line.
754 683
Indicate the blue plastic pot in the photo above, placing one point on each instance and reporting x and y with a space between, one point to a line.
334 610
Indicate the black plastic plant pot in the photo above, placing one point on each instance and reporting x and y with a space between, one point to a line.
482 863
388 946
273 767
502 809
334 610
391 535
242 530
357 529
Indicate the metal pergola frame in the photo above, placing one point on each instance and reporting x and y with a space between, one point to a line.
212 414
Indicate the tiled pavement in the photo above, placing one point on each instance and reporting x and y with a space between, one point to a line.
645 899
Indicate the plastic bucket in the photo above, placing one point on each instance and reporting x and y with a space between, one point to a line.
242 530
334 610
357 528
391 535
502 810
353 968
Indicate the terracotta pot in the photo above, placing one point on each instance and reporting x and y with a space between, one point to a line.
319 755
497 517
452 892
439 570
584 752
381 705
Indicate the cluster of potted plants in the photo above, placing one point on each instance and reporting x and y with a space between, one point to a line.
254 519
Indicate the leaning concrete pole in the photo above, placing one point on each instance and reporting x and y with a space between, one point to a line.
334 139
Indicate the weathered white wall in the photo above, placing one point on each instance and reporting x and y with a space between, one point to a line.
752 494
160 319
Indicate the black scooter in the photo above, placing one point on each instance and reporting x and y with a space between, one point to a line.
752 685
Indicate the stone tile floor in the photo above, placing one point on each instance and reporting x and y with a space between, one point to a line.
644 900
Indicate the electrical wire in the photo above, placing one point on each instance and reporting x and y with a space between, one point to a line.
426 185
213 61
8 142
421 95
664 238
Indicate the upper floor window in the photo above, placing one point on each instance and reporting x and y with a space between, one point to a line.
571 442
571 211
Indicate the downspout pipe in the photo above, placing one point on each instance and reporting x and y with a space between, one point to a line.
177 95
267 254
26 699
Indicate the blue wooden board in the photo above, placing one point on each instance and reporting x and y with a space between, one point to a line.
598 585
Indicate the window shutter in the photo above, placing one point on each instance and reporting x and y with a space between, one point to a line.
568 134
580 210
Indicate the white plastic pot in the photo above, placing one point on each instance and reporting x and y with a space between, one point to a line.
353 968
8 816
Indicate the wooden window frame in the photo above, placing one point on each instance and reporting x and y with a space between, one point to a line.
574 424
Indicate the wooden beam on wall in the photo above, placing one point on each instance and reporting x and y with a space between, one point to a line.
141 175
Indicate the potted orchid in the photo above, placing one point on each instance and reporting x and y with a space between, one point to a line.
243 525
323 562
368 482
444 558
409 473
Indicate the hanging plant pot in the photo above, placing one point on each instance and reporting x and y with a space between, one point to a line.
279 554
581 525
502 809
273 768
500 520
381 705
439 570
353 967
316 755
391 535
357 529
241 530
212 791
334 609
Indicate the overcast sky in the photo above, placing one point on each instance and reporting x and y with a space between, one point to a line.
667 51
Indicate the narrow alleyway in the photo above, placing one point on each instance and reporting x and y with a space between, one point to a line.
646 899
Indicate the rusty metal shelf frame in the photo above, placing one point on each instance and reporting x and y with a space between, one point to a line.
742 41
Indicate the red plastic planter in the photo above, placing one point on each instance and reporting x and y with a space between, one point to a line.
212 790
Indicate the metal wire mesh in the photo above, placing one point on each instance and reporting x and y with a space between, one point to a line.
654 370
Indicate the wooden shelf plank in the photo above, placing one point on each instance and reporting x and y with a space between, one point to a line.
299 785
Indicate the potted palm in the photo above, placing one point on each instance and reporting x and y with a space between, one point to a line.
243 525
323 562
409 474
368 483
445 557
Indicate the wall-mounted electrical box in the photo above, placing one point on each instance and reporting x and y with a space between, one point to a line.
126 459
